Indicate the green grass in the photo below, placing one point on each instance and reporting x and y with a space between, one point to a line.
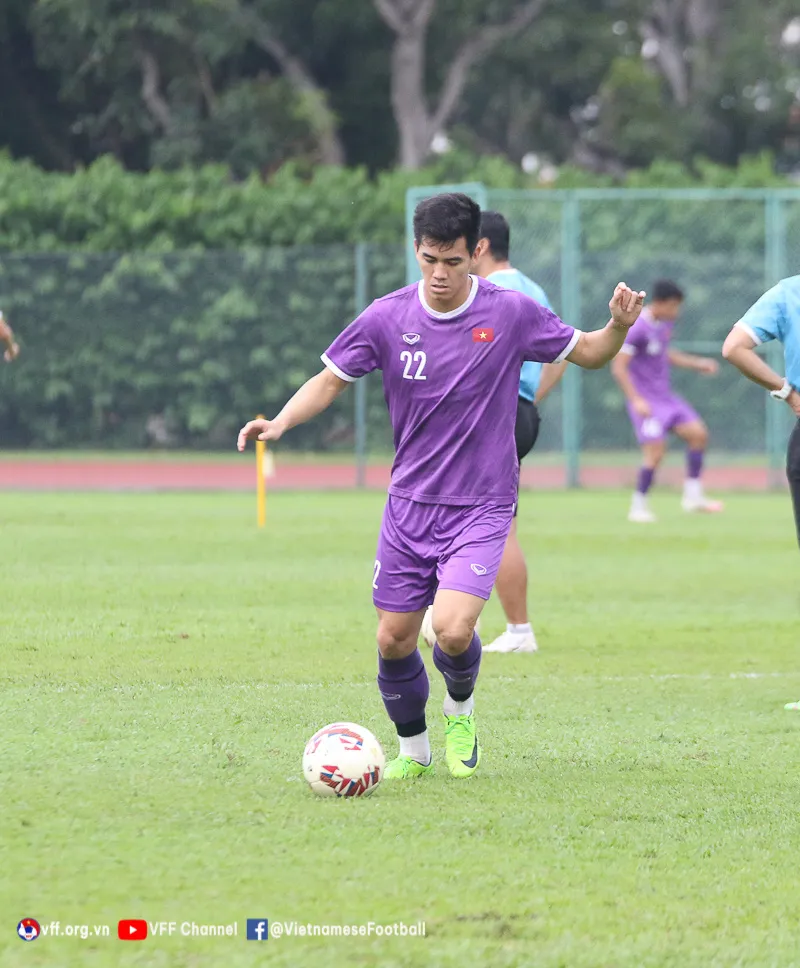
163 664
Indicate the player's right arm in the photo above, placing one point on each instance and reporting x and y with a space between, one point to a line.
314 396
620 370
354 353
7 336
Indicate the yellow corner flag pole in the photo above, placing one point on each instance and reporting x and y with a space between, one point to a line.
261 482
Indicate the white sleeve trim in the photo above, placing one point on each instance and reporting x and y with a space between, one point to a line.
628 349
750 332
569 347
335 369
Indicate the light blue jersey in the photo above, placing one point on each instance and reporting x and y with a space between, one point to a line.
514 279
776 315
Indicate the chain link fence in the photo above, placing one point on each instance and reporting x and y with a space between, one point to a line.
173 351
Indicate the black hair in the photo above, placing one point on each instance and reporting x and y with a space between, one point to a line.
664 289
446 218
494 227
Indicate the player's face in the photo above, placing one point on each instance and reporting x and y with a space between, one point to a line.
666 308
445 273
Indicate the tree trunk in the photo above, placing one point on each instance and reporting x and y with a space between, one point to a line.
417 120
409 102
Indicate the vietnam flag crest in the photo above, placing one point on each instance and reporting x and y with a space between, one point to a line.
483 334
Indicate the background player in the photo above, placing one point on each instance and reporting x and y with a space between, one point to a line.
536 381
642 370
776 315
450 349
7 336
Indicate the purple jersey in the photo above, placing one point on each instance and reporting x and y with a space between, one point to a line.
451 382
648 343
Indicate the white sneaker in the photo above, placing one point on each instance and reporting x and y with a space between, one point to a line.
426 631
641 515
513 642
701 505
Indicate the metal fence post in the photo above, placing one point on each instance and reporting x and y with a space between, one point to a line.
571 311
361 297
774 270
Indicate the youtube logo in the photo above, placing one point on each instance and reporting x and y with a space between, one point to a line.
132 930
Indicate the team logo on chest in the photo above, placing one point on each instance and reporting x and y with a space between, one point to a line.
483 334
654 347
411 338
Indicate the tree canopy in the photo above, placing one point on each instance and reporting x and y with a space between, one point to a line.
252 84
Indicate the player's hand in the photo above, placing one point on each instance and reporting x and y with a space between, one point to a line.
642 407
625 305
794 402
708 366
259 430
11 353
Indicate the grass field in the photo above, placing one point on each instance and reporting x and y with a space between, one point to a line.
163 663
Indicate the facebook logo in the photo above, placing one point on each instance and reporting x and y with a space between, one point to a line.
257 929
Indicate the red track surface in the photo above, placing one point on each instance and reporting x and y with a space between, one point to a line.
144 475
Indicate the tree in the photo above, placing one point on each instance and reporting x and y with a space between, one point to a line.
263 33
184 83
417 119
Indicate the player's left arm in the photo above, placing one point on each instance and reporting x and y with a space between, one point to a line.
593 350
691 361
551 375
7 336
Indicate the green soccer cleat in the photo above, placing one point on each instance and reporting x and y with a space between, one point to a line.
405 767
462 750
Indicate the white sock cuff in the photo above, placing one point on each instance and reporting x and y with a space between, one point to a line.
454 708
519 629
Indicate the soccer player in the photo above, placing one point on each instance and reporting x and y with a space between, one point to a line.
642 370
776 315
536 381
450 349
7 336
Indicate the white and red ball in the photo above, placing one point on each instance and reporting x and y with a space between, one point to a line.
343 760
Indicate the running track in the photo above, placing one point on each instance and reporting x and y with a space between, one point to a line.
163 475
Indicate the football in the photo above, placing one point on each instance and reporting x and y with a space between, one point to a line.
343 760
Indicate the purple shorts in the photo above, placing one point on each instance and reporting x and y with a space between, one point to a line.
666 414
423 547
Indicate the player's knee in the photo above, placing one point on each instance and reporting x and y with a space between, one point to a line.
697 437
395 640
453 633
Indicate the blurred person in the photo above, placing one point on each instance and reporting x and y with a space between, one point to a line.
776 315
642 369
7 337
450 348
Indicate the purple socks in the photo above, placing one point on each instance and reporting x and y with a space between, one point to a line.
694 464
404 688
460 671
646 475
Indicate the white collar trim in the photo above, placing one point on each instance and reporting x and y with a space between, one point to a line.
453 312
